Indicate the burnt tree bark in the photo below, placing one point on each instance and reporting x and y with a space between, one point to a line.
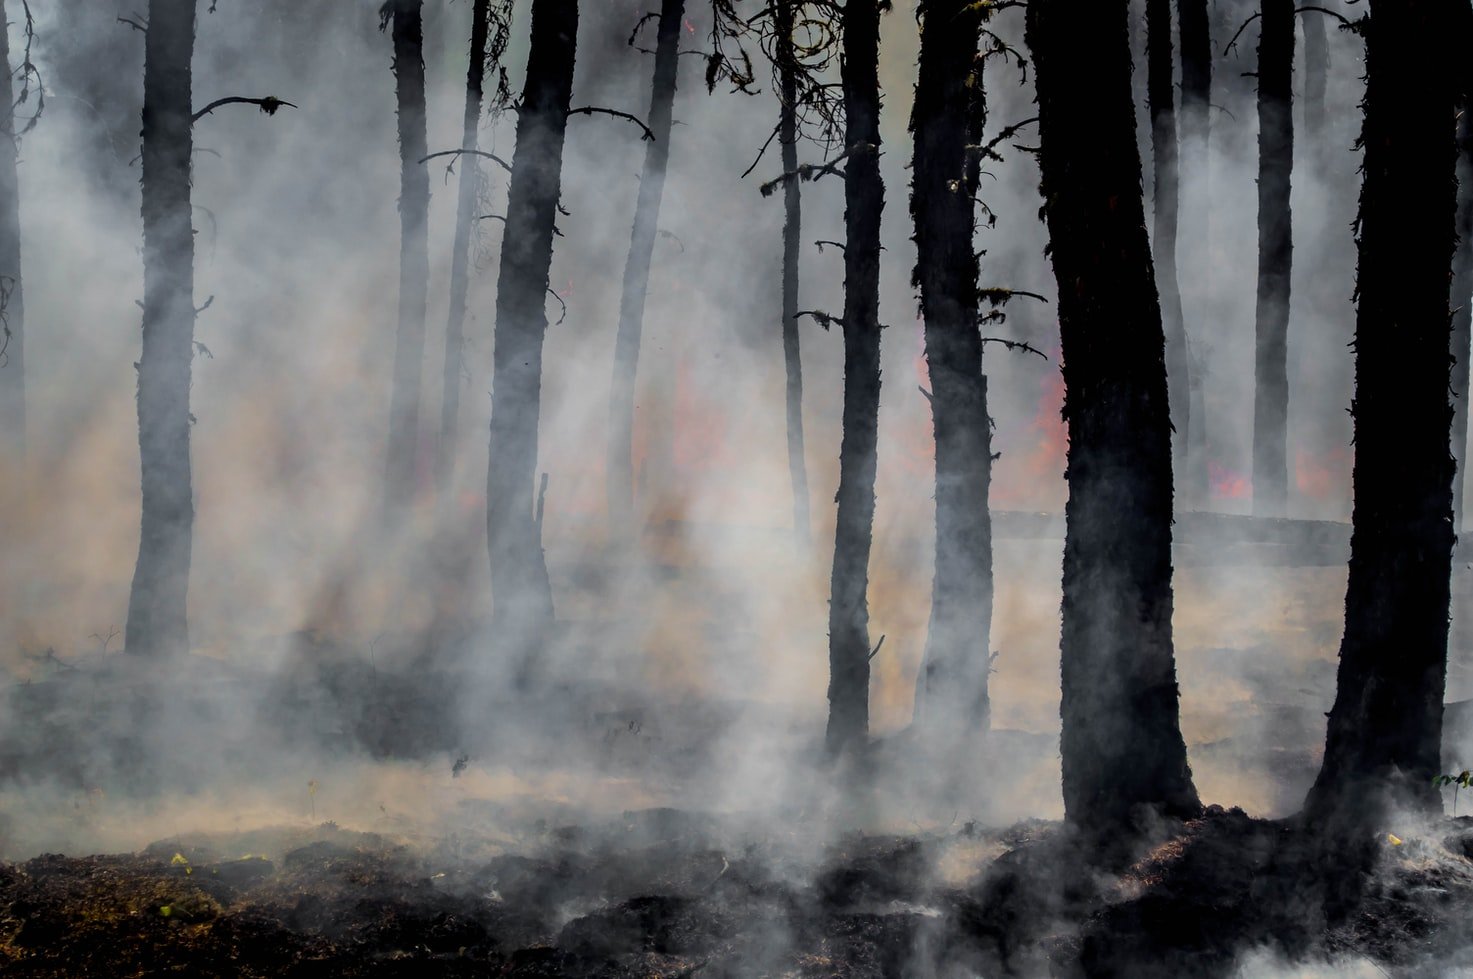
1275 258
637 273
460 261
414 261
1462 287
1161 96
519 582
157 623
1195 33
864 200
783 24
949 116
1383 744
12 298
1123 753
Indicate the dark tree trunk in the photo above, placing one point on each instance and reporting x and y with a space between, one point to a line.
1195 33
1161 95
156 604
1275 257
864 200
12 300
460 262
1122 746
1383 744
519 582
1316 78
1462 299
414 260
792 230
637 272
949 114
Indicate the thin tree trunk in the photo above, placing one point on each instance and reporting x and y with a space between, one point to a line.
1383 745
519 580
1161 96
460 262
1122 746
1195 33
12 300
1275 258
792 231
948 116
414 262
864 199
1462 303
157 624
637 272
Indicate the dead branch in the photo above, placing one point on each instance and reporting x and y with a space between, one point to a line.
673 237
136 25
268 105
1233 43
541 501
824 319
492 217
1016 345
926 394
490 156
876 651
813 171
208 303
560 302
589 110
998 296
1345 22
763 151
824 241
988 150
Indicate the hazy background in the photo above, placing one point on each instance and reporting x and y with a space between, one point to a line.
298 241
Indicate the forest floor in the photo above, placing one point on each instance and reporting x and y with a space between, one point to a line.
664 893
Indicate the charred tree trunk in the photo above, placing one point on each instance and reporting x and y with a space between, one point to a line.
1122 746
519 582
949 114
1462 299
787 136
637 273
1275 257
1383 745
157 624
12 299
1161 95
414 260
460 262
1195 32
864 200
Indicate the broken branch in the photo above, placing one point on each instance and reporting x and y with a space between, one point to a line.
588 110
490 156
268 105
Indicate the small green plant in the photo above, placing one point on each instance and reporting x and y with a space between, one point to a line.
1460 781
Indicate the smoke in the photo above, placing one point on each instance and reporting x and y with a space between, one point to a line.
698 679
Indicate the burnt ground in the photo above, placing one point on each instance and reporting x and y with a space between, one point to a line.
661 893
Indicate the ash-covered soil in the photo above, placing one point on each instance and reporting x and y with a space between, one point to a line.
666 893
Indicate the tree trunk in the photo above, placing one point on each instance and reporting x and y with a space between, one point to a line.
1195 216
12 301
1275 257
792 230
460 262
1122 747
864 200
637 273
1462 300
156 604
948 115
414 261
519 582
1161 95
1383 745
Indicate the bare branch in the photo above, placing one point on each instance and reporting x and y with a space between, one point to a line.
876 651
560 302
268 105
589 110
136 25
1231 44
457 153
1016 345
813 171
823 319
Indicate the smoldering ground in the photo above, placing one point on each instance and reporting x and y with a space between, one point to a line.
678 726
